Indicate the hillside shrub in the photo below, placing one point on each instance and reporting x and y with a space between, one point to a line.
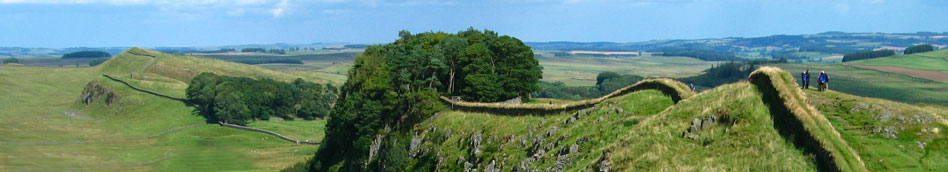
921 48
98 61
86 54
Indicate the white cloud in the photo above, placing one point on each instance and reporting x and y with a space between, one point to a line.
279 8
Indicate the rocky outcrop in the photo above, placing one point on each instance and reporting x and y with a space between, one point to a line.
95 91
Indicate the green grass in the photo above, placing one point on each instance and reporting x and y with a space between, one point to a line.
45 128
935 60
582 70
751 143
856 117
872 83
601 126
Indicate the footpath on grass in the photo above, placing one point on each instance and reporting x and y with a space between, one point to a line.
222 124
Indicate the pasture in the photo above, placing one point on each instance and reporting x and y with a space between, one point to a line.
46 128
582 70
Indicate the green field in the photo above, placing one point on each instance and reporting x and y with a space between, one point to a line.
935 60
582 70
46 128
872 83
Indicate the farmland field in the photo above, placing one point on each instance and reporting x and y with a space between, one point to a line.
582 70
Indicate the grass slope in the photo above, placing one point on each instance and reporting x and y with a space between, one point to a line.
872 83
44 128
512 140
864 123
749 143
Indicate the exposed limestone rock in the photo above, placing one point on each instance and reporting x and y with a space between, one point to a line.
96 91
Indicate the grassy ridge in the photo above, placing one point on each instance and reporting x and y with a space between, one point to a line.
743 139
831 147
674 89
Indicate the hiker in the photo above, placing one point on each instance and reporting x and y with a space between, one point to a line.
824 81
692 86
806 79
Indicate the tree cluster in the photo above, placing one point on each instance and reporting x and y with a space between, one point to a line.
10 60
397 85
86 54
706 54
266 61
921 48
251 50
867 55
238 100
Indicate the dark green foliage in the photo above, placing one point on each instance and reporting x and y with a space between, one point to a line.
276 51
722 74
86 54
397 85
703 53
867 55
259 50
606 82
266 61
921 48
98 61
356 46
238 100
10 60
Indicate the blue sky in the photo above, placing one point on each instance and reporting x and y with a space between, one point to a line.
150 23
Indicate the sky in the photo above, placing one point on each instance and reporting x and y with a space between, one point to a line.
154 23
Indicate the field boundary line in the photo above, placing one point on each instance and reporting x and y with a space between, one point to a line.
268 132
144 90
675 89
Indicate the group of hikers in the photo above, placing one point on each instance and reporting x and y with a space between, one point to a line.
822 80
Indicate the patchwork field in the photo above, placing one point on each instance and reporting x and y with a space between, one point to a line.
874 83
929 65
582 70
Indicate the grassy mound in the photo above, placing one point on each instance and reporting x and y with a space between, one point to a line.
809 128
743 138
565 141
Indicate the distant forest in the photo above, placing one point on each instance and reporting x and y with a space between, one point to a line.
86 54
867 55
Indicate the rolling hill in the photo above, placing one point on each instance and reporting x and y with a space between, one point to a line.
764 124
57 119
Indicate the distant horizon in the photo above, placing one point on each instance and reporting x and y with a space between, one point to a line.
162 23
525 41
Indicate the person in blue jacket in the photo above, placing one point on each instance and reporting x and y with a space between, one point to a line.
824 81
692 86
806 79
